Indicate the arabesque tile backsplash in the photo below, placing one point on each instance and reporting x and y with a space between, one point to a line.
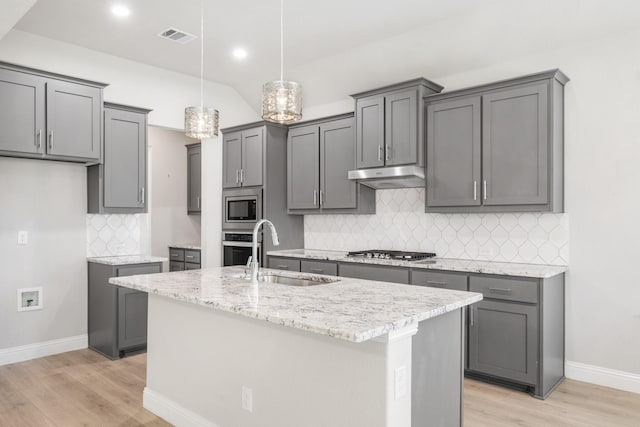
400 223
113 235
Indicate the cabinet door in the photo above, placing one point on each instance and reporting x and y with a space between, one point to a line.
22 124
370 132
194 179
337 158
252 148
125 159
73 120
515 138
132 318
303 168
232 160
503 340
453 153
401 128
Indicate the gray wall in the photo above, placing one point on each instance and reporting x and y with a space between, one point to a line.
170 223
48 199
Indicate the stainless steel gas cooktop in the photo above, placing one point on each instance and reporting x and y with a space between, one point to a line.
387 254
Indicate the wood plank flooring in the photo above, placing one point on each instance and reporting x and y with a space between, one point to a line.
83 388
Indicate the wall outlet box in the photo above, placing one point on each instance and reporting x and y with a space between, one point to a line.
487 252
23 237
247 399
400 382
30 299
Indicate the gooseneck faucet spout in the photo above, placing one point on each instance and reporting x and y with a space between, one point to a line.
255 263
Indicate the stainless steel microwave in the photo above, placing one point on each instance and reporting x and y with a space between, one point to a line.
242 208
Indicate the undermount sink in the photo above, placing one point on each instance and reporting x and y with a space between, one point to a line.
292 281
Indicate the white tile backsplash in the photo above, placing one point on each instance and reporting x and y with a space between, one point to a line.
400 223
113 235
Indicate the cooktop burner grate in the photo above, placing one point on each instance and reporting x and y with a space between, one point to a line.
387 254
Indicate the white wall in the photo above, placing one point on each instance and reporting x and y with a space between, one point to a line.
602 151
47 200
170 223
167 93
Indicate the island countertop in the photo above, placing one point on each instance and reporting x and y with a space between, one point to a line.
349 309
447 264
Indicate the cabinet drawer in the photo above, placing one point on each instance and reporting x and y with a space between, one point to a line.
132 270
319 267
176 266
456 282
192 256
375 272
284 263
191 266
176 254
505 288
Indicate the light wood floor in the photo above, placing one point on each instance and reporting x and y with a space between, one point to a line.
83 388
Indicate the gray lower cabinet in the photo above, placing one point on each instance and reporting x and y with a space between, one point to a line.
181 259
194 179
319 156
243 158
117 316
49 116
390 126
497 147
119 184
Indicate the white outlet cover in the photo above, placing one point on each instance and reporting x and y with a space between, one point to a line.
400 382
486 251
23 237
247 399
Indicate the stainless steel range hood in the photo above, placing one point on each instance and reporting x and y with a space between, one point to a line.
390 177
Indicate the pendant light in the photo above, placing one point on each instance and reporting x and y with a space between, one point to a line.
201 122
281 99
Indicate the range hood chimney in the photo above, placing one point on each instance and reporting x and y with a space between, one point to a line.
390 177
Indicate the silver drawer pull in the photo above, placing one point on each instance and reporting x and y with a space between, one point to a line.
190 256
175 255
50 140
317 270
500 291
471 314
283 267
434 283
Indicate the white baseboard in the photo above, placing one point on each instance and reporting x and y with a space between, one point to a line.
171 411
42 349
621 380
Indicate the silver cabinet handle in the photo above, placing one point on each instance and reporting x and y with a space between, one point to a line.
282 267
387 151
484 184
475 190
471 315
379 153
39 139
241 175
500 291
189 256
174 255
142 195
237 176
198 199
321 197
434 283
317 270
50 140
315 197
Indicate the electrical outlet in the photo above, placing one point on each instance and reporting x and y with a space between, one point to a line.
247 399
23 237
487 252
400 382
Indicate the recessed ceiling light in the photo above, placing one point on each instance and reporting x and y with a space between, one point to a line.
240 53
120 10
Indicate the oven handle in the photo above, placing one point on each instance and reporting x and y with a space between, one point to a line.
240 244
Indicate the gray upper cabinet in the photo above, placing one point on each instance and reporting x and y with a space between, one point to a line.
320 154
119 184
22 114
370 132
389 125
49 116
453 152
497 147
73 120
243 158
303 168
515 137
194 179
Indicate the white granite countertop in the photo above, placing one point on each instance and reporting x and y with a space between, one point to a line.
126 259
189 246
349 309
448 264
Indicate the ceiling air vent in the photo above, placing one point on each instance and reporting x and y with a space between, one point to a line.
177 35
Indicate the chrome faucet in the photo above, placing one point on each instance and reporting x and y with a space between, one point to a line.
254 262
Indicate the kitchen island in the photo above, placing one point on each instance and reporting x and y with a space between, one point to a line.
223 351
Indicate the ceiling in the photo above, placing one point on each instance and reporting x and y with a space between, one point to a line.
332 47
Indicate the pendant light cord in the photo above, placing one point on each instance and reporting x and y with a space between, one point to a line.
202 54
281 40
